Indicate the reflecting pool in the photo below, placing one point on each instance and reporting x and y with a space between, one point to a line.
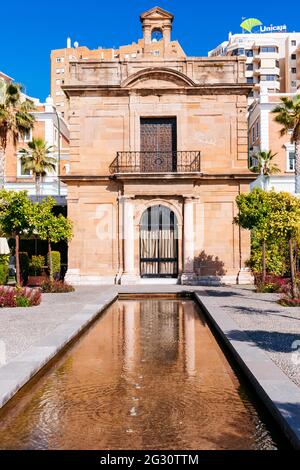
148 374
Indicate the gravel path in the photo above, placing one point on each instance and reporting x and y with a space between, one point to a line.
20 328
275 329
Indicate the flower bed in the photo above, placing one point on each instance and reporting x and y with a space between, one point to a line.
272 283
56 287
19 297
289 301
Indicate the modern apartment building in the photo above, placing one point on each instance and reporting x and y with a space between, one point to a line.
272 59
264 135
60 59
158 154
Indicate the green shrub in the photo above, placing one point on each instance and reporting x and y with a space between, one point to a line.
266 288
56 287
4 268
22 301
276 257
19 297
4 259
36 265
3 274
55 255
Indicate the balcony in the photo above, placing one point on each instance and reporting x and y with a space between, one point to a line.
187 161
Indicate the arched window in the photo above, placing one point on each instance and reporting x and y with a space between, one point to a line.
156 35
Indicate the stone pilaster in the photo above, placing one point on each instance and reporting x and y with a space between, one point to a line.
129 275
188 276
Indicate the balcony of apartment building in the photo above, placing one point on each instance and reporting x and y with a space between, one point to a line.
266 50
266 55
266 70
266 81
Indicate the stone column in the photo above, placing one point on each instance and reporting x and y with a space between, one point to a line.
188 275
147 33
128 276
129 335
167 34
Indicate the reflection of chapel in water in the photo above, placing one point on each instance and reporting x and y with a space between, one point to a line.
149 374
159 332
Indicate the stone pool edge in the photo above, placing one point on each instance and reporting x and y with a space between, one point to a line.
279 394
26 365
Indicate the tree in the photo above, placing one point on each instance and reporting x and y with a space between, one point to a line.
37 158
50 227
265 165
15 119
15 219
275 218
254 211
288 115
285 223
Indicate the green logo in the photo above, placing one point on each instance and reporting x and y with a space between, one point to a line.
249 24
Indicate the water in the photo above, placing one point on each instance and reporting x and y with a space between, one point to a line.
147 375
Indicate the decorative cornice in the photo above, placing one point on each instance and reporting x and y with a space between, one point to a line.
83 178
156 10
164 177
205 89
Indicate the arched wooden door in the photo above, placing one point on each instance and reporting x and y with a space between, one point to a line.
158 243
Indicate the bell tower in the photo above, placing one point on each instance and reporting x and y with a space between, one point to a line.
157 25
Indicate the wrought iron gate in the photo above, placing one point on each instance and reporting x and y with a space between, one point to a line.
158 243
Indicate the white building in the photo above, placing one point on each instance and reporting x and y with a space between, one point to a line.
272 59
264 135
50 126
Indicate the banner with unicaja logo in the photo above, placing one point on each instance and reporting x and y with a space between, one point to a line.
250 23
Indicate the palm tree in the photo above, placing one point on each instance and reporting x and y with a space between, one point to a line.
288 115
15 119
265 165
36 158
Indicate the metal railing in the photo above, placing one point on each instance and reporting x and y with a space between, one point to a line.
186 161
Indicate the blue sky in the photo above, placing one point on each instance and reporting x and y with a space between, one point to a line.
37 27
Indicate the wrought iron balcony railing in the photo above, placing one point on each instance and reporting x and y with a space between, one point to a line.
187 161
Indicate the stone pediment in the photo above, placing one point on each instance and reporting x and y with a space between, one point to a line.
157 78
156 13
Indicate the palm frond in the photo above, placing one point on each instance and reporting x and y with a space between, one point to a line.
37 157
265 163
15 113
288 115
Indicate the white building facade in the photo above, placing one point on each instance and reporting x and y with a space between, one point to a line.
272 59
264 135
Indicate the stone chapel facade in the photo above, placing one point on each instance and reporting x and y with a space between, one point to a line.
158 154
